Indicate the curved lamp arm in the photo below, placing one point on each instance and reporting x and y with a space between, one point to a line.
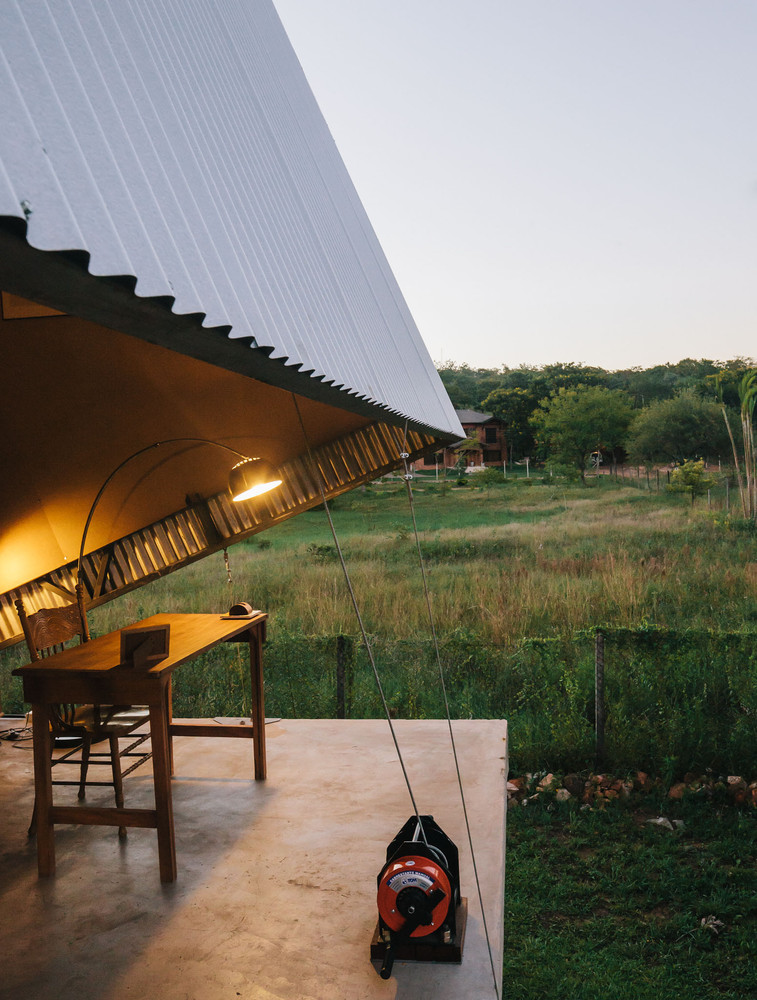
247 483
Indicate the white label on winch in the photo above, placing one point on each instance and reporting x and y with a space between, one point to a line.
403 879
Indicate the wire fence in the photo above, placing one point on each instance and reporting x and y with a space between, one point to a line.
660 700
670 701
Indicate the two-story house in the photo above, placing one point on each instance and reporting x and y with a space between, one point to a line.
485 444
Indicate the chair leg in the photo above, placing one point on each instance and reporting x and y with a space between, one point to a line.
118 784
85 748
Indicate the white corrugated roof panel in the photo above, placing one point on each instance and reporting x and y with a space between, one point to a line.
177 142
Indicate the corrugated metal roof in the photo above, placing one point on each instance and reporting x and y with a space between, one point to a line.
177 142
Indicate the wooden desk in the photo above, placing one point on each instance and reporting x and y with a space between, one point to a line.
91 674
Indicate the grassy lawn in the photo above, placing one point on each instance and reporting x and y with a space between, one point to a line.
601 904
506 563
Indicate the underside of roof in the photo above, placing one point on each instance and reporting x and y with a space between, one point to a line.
182 254
176 149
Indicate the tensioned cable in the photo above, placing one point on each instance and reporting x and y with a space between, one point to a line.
230 583
356 608
408 480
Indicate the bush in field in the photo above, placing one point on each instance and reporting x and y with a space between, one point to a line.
692 479
487 478
559 470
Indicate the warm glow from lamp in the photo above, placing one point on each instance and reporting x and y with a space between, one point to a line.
250 478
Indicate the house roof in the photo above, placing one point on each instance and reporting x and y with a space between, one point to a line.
182 254
175 149
473 417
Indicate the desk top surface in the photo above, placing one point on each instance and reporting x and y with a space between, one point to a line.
191 634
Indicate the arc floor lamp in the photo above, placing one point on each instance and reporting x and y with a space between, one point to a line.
250 477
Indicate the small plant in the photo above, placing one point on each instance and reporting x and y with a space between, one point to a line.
321 553
493 476
560 470
692 479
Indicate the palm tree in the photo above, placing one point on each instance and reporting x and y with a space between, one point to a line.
747 480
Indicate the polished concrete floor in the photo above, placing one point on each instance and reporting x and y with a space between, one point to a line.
276 891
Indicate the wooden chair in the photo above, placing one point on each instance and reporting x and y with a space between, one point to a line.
47 631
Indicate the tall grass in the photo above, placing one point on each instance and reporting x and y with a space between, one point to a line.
515 575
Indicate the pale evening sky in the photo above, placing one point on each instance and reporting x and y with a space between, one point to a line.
552 180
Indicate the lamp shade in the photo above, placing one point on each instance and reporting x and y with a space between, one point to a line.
251 477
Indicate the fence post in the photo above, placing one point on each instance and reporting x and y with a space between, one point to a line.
599 699
343 674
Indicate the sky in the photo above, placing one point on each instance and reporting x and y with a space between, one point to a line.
552 180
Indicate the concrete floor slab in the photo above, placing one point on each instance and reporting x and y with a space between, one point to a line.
276 891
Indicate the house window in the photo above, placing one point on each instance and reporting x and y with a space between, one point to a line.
490 435
493 456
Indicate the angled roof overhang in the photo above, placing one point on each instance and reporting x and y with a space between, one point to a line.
182 254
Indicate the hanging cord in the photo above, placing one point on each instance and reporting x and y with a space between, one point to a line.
405 455
238 654
228 571
319 479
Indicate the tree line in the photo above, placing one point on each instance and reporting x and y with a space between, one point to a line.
567 413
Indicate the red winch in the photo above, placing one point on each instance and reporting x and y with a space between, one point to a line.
421 914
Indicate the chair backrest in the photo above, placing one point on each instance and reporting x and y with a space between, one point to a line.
48 630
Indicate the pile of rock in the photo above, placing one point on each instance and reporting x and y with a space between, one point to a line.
600 789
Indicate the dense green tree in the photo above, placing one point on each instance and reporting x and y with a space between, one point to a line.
646 385
515 406
467 387
568 375
649 385
470 388
725 385
573 423
677 430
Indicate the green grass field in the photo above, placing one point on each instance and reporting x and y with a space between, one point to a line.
507 563
519 576
599 904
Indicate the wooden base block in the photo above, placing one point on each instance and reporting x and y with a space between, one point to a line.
421 949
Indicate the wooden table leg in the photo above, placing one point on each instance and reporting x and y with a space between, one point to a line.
161 769
258 703
169 720
43 789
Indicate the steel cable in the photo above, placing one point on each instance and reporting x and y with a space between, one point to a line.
364 634
408 481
